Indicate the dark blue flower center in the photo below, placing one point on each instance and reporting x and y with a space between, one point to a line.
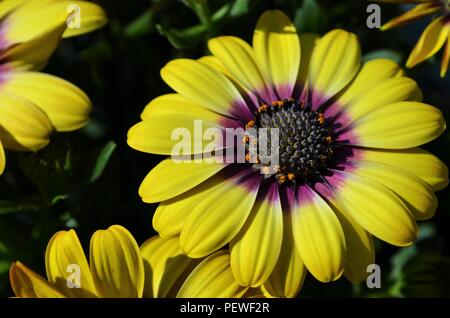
305 144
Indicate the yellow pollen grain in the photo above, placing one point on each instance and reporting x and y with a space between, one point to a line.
266 170
263 108
321 118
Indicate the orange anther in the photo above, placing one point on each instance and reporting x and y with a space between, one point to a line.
250 124
321 118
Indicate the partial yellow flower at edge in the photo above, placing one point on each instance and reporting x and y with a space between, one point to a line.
434 36
430 42
116 268
31 30
29 33
49 92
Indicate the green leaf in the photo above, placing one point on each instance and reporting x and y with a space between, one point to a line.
8 207
142 25
192 3
181 39
102 161
94 129
59 198
403 257
427 275
311 17
399 260
395 56
239 8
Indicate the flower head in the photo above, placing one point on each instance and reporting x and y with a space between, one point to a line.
33 104
434 37
118 268
348 164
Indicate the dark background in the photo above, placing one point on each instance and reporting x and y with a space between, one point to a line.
89 179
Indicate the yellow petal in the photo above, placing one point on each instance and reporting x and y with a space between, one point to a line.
360 248
212 278
219 215
431 41
204 86
7 6
259 292
23 126
34 28
376 208
277 51
164 133
414 14
383 93
116 263
359 243
308 43
33 54
27 284
398 126
370 74
34 18
66 105
418 161
318 236
417 195
445 58
215 63
238 58
166 267
334 63
289 273
169 179
255 250
2 158
64 261
169 104
171 215
91 17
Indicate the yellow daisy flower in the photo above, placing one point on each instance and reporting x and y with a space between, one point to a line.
118 268
33 104
349 166
435 36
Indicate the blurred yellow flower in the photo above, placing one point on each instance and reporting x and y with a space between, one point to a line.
33 104
434 37
118 268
